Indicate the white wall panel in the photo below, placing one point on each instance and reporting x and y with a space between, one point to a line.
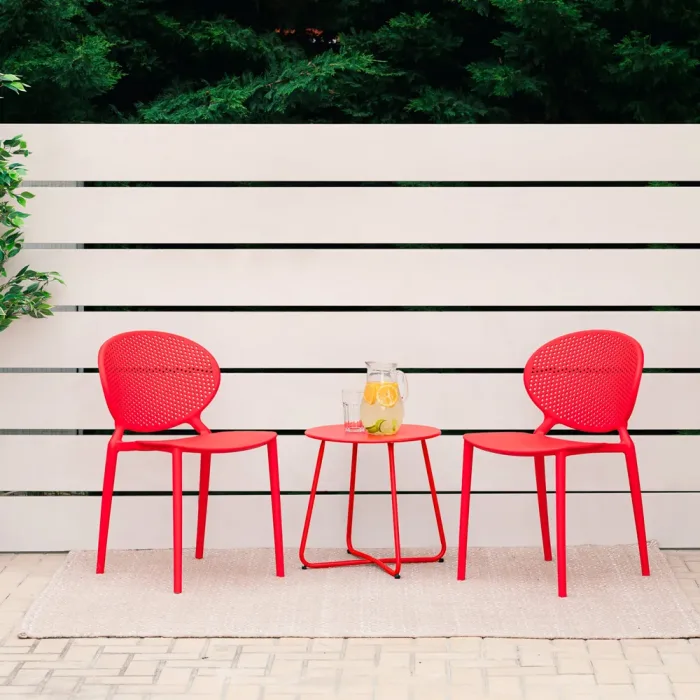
64 523
332 339
345 339
75 463
376 278
364 215
300 401
505 152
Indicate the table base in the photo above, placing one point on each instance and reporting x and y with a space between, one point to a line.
363 557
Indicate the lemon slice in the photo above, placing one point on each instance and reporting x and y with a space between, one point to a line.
387 395
370 395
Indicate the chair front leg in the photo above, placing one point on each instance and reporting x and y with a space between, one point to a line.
541 480
177 521
106 506
204 474
561 522
467 460
638 508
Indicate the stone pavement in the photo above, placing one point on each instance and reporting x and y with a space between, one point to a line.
348 669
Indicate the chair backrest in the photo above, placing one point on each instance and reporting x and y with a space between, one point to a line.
587 380
155 381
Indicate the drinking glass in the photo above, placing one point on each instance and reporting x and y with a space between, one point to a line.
352 400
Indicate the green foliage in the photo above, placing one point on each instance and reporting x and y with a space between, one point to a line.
24 293
380 61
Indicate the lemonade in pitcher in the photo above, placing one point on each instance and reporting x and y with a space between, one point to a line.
381 411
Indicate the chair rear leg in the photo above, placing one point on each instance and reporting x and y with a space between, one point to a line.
106 507
561 523
638 508
464 510
177 521
204 474
541 481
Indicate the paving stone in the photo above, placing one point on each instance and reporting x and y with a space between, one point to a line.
651 683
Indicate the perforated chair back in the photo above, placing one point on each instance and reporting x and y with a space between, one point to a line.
155 381
587 380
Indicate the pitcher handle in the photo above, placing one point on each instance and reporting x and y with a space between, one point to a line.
403 384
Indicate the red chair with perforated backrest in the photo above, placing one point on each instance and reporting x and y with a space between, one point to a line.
153 382
587 381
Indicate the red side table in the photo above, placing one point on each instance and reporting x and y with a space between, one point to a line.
407 433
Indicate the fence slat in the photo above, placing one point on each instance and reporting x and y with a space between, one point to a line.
268 339
318 152
300 401
284 215
75 463
376 278
244 521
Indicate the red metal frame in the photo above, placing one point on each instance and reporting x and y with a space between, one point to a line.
155 381
407 433
586 381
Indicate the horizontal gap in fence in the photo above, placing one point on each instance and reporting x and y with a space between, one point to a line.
382 246
351 183
185 431
335 370
98 494
377 309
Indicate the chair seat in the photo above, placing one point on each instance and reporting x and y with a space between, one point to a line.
529 444
234 441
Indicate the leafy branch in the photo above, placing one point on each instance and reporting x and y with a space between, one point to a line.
23 293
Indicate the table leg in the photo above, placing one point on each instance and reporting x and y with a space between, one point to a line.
364 557
394 510
438 517
351 498
310 507
438 520
306 564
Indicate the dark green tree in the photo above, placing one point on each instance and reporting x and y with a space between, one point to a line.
379 61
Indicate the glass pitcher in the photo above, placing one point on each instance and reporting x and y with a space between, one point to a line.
381 411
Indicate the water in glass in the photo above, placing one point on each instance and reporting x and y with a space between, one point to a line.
352 400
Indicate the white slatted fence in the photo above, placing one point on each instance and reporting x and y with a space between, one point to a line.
293 287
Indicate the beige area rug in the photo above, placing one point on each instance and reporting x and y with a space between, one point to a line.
509 592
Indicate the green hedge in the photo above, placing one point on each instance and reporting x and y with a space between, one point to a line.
440 61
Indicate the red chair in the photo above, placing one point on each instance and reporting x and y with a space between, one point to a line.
586 381
155 381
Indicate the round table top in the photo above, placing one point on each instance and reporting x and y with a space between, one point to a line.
406 433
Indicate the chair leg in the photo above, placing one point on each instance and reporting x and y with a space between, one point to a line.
541 480
464 510
561 522
177 521
636 492
106 507
204 474
276 505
